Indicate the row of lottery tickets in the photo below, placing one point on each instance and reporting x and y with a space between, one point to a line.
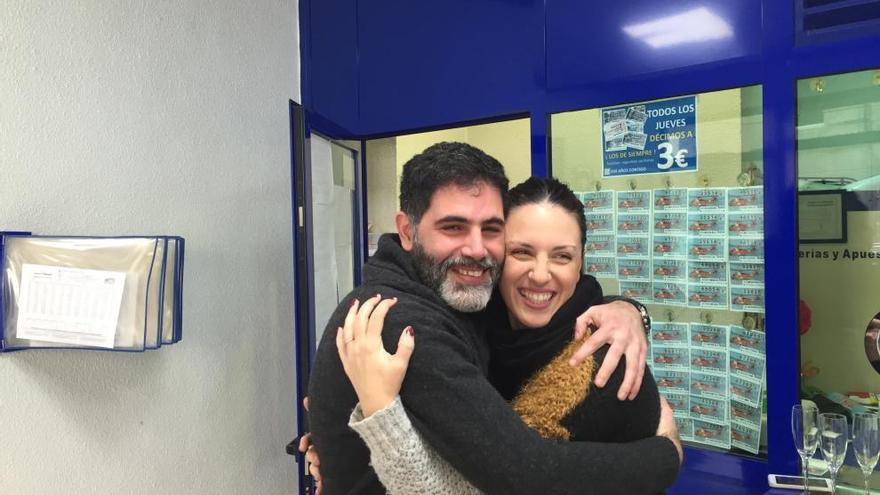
694 247
713 377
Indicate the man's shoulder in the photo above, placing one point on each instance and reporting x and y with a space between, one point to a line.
412 307
426 309
430 317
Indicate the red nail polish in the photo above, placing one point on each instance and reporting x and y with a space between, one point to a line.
409 330
353 302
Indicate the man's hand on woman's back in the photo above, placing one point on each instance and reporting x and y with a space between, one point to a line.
619 324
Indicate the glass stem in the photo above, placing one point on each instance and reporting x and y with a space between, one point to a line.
805 467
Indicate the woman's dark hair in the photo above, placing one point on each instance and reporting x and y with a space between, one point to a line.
537 190
443 164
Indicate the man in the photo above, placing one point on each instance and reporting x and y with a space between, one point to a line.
442 267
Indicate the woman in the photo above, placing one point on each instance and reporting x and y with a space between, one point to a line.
530 327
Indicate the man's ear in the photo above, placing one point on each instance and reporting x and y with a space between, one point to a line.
405 229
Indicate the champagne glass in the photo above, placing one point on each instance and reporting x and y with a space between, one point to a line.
833 439
805 430
866 443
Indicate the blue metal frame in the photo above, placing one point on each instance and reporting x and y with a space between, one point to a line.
309 242
359 216
178 293
780 239
783 56
301 341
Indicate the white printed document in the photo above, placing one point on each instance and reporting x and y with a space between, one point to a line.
69 305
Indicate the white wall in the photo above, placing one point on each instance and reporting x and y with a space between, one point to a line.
125 117
382 187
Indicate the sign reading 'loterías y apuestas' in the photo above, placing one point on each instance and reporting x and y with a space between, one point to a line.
650 138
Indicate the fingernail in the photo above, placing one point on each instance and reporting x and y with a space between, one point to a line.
409 331
378 295
353 302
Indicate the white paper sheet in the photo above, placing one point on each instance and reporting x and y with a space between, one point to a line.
343 210
820 217
326 269
69 305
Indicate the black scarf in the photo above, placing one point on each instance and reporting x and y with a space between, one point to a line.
517 354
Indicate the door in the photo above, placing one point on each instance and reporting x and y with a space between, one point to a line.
328 237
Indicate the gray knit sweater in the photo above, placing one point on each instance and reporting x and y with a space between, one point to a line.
406 465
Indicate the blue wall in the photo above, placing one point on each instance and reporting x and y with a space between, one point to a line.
329 68
426 63
397 65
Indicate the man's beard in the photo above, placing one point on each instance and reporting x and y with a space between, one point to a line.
461 297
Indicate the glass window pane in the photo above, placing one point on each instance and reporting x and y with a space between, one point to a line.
673 194
333 203
838 162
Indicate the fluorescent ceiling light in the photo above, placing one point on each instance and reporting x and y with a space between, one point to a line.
692 26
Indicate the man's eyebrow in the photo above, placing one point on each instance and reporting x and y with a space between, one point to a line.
457 219
451 219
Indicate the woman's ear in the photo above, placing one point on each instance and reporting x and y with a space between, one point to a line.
405 229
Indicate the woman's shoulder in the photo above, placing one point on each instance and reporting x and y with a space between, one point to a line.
590 281
590 288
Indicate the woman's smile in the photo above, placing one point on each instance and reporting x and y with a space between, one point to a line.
538 299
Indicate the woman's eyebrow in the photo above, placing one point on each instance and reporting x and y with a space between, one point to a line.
571 247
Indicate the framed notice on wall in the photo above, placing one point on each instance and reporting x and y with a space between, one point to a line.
650 138
821 217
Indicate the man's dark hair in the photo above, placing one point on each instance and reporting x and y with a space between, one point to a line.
537 190
443 164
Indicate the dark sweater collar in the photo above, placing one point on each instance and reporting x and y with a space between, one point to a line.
390 256
517 354
392 266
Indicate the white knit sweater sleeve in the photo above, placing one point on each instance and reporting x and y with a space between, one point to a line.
405 464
